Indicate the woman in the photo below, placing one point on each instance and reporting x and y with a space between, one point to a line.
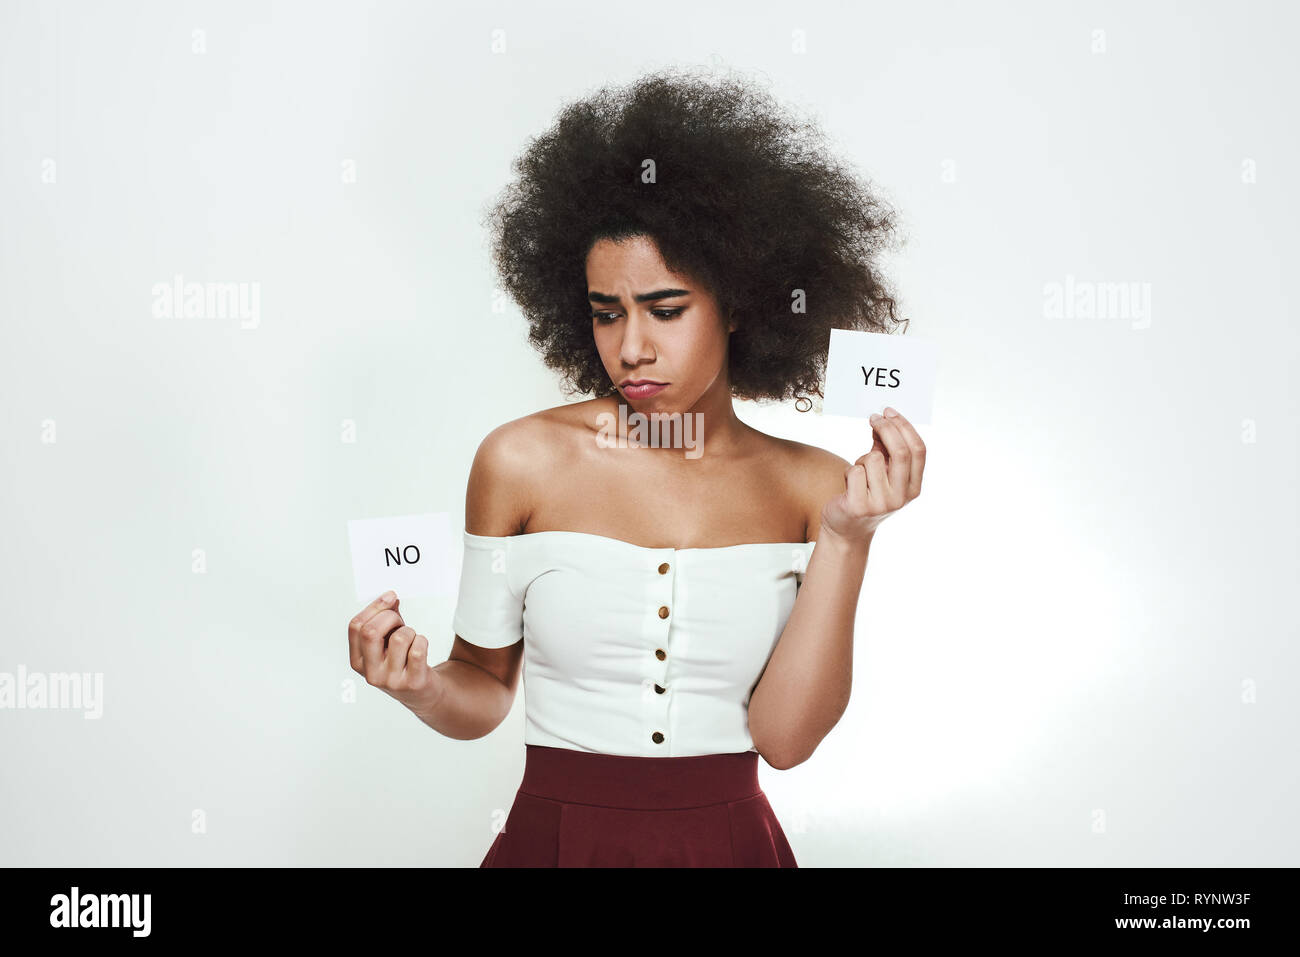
680 608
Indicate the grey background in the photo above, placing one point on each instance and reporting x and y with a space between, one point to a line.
1078 647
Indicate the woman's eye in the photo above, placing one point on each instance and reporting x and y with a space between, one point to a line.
605 318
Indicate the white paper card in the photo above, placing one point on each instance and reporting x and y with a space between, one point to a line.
866 371
411 554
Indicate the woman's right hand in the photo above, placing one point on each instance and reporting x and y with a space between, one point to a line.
391 656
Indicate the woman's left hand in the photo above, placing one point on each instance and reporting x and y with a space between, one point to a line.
879 483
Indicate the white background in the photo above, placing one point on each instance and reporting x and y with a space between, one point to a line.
1077 647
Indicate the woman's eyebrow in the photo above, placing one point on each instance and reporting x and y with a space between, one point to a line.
640 297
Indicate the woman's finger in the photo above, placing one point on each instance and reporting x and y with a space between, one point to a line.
354 630
417 658
876 444
877 483
855 488
373 633
900 458
917 447
398 644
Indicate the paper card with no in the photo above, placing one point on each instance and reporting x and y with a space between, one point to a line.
411 554
866 371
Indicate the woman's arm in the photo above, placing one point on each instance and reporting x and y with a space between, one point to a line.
805 688
475 687
472 699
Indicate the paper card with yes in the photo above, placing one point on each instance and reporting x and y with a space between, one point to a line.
866 371
411 554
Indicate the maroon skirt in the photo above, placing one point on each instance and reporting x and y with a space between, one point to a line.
581 809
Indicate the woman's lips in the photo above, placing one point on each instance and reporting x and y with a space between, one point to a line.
643 391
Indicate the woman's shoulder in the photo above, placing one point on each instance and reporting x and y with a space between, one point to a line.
813 475
545 431
511 460
801 461
499 494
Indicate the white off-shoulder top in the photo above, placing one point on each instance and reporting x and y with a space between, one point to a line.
628 649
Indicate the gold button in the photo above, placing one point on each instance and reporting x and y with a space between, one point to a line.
663 611
663 569
657 737
660 654
659 690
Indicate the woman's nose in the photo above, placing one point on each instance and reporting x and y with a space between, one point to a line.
636 345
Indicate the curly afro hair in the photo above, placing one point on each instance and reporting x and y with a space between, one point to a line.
740 197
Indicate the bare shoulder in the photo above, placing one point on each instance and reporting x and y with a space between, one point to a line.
515 457
815 475
500 493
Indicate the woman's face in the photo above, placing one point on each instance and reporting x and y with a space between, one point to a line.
673 334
